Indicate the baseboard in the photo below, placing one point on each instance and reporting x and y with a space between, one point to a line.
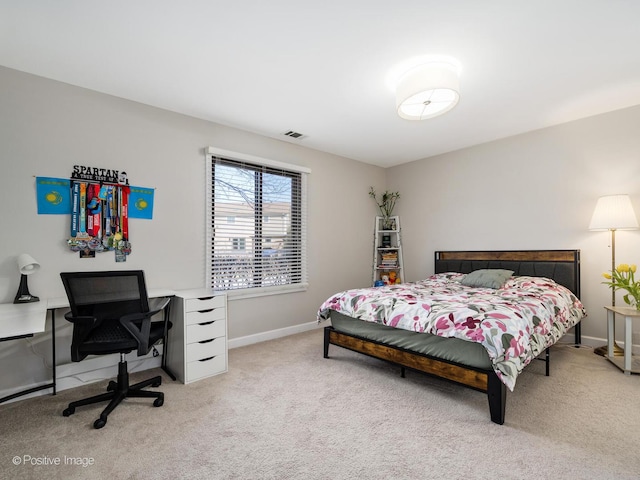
596 342
586 341
271 335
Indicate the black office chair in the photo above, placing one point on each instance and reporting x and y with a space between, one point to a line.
110 314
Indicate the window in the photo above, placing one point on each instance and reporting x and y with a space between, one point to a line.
239 243
264 250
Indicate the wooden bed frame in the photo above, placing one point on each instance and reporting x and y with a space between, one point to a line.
563 266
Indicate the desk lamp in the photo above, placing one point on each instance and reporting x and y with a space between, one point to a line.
613 212
27 265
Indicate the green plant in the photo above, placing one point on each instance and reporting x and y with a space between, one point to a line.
623 277
387 202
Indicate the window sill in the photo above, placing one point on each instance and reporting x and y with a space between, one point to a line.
233 295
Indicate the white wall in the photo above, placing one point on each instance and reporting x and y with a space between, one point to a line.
46 127
531 191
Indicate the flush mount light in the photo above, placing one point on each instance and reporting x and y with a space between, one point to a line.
427 90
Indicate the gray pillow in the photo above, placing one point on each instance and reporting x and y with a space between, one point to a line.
487 278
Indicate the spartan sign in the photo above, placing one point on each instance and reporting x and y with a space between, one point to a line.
95 174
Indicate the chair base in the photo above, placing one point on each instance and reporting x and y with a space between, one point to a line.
117 392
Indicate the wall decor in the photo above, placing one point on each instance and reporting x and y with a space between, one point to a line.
53 196
95 174
100 202
99 219
141 202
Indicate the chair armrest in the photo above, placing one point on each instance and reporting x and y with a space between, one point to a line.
87 320
139 324
139 332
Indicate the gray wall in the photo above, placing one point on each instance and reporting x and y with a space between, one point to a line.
531 191
46 127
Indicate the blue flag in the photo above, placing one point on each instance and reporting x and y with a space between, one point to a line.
141 202
53 195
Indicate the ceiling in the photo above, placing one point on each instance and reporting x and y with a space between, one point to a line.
326 68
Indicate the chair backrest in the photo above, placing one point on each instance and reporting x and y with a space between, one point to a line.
102 294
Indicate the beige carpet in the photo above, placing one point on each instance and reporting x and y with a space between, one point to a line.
284 412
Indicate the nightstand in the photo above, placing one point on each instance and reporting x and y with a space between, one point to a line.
629 363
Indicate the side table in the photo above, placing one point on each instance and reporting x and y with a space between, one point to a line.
629 363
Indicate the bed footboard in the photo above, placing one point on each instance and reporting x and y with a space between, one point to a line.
481 380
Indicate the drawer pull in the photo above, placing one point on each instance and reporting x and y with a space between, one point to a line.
207 341
206 311
206 359
207 323
205 298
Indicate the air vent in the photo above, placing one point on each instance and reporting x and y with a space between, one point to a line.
293 134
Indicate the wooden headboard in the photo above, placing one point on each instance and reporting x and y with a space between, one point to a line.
563 266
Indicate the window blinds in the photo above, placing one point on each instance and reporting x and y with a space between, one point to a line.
257 226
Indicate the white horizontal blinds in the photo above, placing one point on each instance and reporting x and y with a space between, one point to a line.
257 226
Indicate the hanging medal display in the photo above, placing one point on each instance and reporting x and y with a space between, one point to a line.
99 212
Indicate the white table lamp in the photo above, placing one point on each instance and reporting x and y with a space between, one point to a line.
26 265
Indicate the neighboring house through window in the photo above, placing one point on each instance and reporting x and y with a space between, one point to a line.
239 243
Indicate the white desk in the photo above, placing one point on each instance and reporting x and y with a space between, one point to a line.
26 319
23 320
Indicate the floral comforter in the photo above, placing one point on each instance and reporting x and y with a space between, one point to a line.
514 323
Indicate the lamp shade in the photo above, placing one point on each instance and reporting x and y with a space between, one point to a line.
427 90
27 264
614 212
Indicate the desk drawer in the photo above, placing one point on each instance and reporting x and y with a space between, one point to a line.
205 303
198 332
205 368
204 316
206 349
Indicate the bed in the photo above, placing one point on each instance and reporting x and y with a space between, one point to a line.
476 336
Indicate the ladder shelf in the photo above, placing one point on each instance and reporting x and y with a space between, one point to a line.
387 252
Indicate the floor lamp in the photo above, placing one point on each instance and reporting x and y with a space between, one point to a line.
613 212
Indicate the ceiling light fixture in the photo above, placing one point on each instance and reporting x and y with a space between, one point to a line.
428 90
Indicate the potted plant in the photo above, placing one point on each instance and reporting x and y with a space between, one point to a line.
386 204
623 278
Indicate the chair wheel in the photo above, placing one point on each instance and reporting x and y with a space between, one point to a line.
68 411
158 402
112 386
99 423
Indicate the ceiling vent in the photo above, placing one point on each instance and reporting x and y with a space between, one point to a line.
293 134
